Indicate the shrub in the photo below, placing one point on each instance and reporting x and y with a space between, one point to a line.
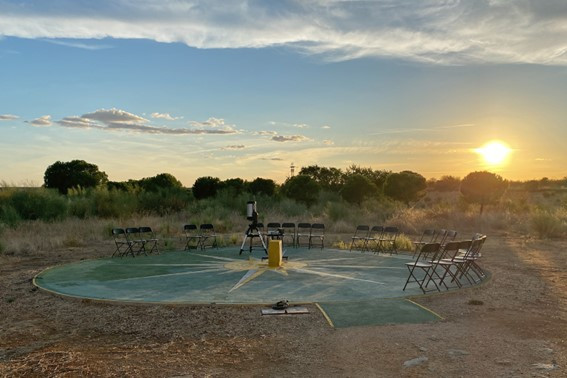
205 187
546 224
33 204
9 216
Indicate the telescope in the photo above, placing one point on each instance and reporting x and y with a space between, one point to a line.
252 231
251 212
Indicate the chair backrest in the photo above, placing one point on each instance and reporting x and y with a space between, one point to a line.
318 228
363 229
304 226
451 250
440 236
207 228
117 231
451 235
146 230
377 229
260 225
132 230
427 236
393 231
190 228
288 225
274 225
429 251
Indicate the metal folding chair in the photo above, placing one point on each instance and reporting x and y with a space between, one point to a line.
149 239
447 262
303 231
427 253
360 235
208 233
192 237
317 233
274 231
387 242
123 245
373 237
137 244
426 237
288 229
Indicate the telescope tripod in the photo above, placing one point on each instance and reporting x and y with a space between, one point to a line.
253 232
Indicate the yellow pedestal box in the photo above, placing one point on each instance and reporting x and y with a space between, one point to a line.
275 253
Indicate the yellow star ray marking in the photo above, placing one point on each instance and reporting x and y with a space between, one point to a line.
255 268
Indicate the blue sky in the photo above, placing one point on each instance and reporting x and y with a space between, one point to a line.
245 88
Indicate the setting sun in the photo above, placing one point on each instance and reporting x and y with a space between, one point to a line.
494 152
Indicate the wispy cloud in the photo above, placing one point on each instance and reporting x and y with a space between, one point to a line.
328 142
165 116
289 138
8 117
234 147
437 31
121 120
77 45
42 121
325 127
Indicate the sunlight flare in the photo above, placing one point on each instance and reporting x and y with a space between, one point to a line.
494 152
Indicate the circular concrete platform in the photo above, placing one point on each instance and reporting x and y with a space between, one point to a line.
223 276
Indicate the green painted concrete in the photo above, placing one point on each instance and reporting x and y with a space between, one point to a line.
353 288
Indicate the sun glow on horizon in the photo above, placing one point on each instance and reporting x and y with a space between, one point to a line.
494 152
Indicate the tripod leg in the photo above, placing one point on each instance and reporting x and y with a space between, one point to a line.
243 243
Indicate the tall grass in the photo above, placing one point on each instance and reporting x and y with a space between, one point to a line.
41 221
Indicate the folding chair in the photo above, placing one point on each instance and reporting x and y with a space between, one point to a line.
450 236
303 231
288 229
274 231
318 233
426 237
440 236
149 238
123 245
447 261
192 234
470 258
360 235
388 240
427 253
373 236
133 236
208 232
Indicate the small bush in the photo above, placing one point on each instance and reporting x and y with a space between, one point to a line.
9 216
546 225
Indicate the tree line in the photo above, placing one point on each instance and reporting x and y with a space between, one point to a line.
355 184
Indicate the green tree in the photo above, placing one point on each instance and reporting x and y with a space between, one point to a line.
447 184
357 188
262 186
234 185
160 181
205 187
406 186
377 177
301 188
76 173
328 178
483 188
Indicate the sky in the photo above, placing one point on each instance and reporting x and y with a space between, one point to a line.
247 88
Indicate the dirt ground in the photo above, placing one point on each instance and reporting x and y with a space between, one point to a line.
513 325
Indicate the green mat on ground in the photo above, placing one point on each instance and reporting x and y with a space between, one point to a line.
376 312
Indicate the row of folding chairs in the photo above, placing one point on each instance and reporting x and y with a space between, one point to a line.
447 266
376 239
440 236
203 236
304 235
134 241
